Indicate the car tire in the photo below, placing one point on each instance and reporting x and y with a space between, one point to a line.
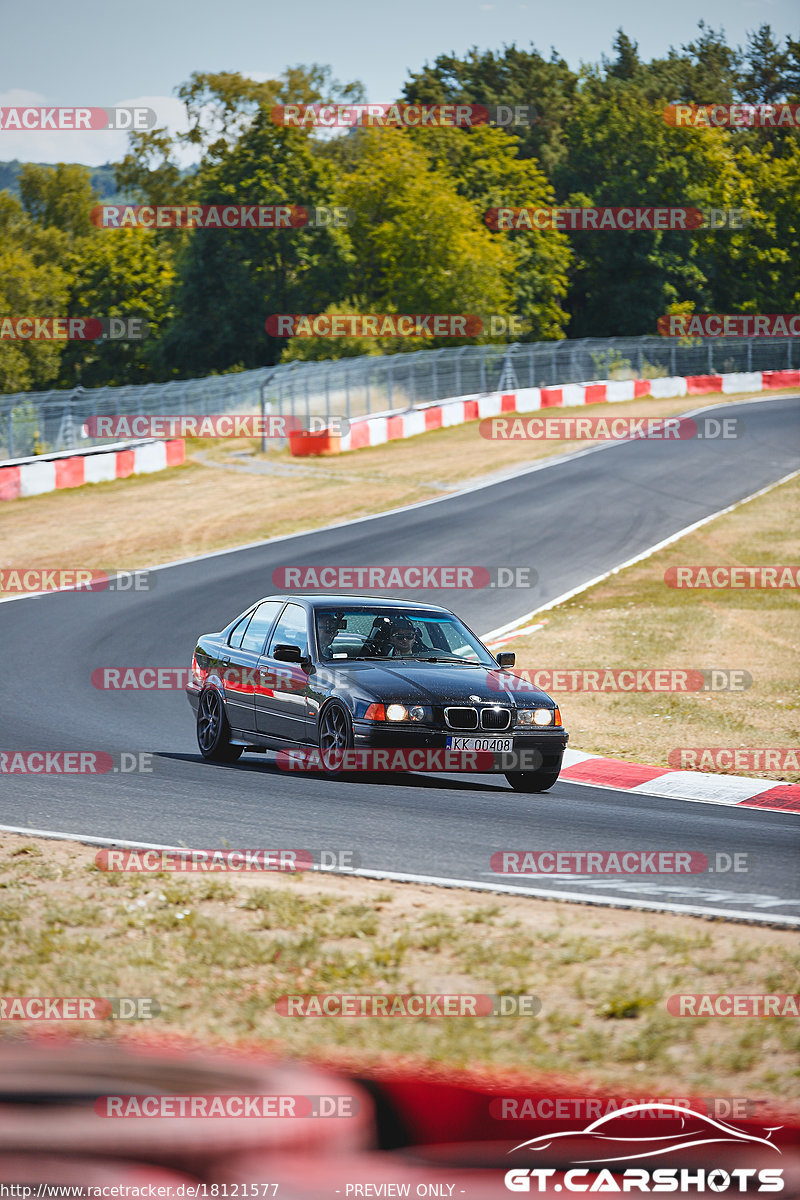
335 736
533 781
214 731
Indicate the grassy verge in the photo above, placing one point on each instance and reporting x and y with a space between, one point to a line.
214 504
634 619
216 952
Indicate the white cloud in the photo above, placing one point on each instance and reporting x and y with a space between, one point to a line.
93 147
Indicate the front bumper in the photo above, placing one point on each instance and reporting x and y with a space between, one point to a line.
529 751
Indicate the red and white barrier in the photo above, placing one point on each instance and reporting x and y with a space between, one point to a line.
49 473
390 427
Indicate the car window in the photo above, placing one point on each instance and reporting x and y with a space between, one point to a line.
260 624
237 633
291 630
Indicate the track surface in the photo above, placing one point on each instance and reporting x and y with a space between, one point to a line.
571 521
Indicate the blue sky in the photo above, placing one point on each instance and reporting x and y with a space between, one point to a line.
105 54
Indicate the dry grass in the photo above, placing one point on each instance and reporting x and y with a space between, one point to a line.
216 952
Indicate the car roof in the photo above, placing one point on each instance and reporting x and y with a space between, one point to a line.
333 599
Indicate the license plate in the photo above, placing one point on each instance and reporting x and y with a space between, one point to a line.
498 745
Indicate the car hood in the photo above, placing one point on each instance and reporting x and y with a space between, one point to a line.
441 683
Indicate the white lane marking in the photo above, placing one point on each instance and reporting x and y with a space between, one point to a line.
757 899
728 789
692 910
501 477
582 587
622 791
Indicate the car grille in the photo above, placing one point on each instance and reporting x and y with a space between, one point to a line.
468 718
461 718
495 718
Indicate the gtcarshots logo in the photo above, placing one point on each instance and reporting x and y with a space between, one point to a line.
401 578
604 428
220 216
620 679
77 118
400 115
617 1143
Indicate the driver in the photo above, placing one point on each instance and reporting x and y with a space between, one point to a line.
328 625
403 638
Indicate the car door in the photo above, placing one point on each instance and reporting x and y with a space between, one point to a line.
282 695
239 664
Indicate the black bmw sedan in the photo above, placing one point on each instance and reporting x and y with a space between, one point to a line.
342 680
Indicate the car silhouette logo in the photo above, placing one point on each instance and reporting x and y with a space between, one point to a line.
702 1131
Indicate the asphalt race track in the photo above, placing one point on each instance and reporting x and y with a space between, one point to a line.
570 521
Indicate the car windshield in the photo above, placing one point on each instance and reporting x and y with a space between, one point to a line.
376 632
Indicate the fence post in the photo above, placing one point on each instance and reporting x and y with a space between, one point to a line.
11 433
390 380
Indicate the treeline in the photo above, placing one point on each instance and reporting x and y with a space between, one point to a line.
418 241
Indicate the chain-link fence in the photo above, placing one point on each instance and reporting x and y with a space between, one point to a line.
43 422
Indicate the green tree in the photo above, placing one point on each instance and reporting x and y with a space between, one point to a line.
33 283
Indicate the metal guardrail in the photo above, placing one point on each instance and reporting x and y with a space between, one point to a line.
42 422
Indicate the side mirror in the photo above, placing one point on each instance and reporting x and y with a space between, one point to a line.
284 653
506 659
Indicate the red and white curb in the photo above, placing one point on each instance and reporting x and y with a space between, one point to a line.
705 788
51 472
389 427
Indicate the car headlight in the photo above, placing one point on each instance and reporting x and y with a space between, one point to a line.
536 716
399 712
